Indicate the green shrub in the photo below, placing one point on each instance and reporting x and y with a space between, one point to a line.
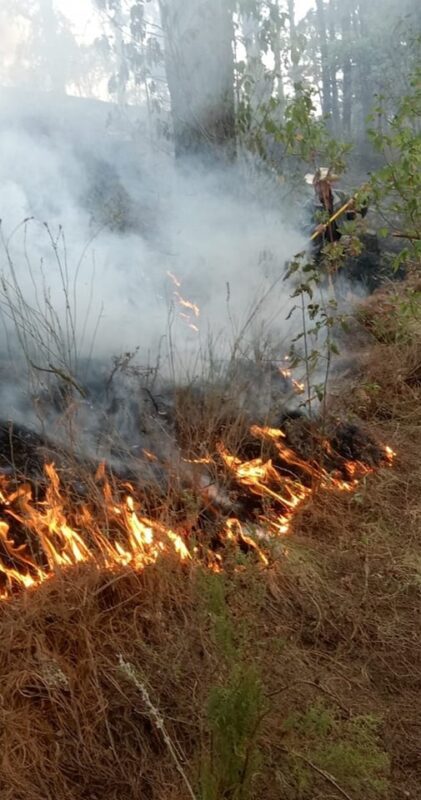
347 750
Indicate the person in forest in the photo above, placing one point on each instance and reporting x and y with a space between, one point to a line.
325 212
327 200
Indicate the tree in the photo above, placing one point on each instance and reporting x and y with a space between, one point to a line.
333 62
397 185
378 49
322 34
200 74
47 53
277 20
347 71
228 63
295 46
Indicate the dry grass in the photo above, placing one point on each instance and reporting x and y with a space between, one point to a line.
332 626
73 726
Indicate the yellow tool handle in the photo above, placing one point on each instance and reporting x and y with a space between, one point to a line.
335 216
322 228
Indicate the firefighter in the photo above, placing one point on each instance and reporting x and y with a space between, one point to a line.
326 202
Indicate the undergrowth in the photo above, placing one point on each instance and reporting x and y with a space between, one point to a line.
298 680
235 707
348 751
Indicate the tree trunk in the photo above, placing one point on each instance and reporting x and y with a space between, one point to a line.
117 22
294 49
366 96
200 74
261 87
277 53
322 34
333 68
279 81
51 46
347 73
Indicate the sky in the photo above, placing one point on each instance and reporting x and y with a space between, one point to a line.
82 18
86 25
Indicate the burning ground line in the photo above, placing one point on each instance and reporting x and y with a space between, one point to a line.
39 538
57 544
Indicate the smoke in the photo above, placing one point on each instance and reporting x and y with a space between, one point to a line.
123 217
109 248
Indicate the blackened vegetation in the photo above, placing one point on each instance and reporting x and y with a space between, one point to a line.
22 451
374 265
178 464
352 442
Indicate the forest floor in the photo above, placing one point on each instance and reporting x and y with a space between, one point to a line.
297 680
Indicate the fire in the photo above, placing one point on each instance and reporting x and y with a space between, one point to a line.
234 532
282 487
187 304
188 311
41 537
286 372
390 454
54 543
174 279
299 386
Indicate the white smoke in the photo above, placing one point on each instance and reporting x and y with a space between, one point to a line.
223 236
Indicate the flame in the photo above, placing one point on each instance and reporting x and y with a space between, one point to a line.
187 304
59 544
174 279
189 311
267 481
234 532
390 454
299 386
286 372
39 538
204 460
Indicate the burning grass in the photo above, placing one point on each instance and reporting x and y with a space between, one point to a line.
39 536
295 678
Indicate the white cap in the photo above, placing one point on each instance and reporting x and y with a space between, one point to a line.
322 174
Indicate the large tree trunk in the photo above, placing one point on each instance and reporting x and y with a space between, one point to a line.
200 74
347 73
322 34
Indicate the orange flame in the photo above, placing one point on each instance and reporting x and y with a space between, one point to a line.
187 308
59 532
187 304
58 544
